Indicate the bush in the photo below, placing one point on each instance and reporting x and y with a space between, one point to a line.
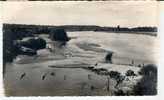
130 73
148 84
149 70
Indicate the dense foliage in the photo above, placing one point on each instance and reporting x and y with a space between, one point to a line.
148 84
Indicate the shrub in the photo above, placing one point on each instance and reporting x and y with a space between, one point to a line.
148 84
149 70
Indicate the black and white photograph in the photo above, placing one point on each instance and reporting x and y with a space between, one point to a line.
98 48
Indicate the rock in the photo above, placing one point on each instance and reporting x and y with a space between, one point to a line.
90 67
23 75
123 91
27 51
139 65
130 73
44 76
114 74
92 88
119 92
108 57
52 74
35 43
59 35
103 69
95 70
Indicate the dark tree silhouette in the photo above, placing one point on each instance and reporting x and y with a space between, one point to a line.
148 84
149 70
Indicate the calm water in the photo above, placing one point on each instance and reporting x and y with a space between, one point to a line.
77 81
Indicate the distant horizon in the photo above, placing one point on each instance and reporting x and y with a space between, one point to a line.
75 25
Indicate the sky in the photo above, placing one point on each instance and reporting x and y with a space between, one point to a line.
108 13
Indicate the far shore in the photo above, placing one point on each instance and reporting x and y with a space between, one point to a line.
39 29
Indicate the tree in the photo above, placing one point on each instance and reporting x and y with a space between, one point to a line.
148 84
149 70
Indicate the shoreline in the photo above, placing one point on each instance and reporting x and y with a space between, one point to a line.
39 29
